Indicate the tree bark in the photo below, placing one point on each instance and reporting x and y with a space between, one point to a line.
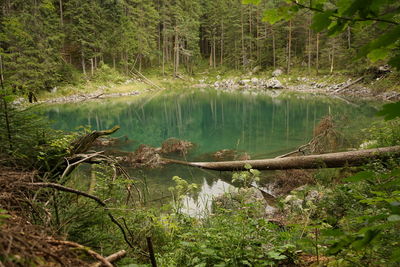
242 32
330 160
222 44
273 47
289 46
317 57
113 257
83 64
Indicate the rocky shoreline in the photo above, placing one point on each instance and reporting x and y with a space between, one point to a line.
349 88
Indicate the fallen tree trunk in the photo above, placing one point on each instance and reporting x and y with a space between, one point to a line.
113 257
63 166
329 160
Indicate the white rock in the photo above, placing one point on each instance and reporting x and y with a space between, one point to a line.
273 83
277 72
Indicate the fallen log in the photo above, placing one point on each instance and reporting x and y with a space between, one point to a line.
63 166
113 257
348 85
329 160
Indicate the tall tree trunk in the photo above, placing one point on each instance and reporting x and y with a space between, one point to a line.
1 68
309 46
6 115
61 13
289 46
332 55
164 48
242 29
317 56
273 47
83 63
210 61
91 66
348 37
176 54
222 44
250 36
214 54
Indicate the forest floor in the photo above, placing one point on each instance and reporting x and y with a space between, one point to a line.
25 243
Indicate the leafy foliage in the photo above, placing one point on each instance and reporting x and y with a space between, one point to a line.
336 17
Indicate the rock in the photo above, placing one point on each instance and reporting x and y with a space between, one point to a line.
254 81
19 101
244 81
53 90
273 83
277 72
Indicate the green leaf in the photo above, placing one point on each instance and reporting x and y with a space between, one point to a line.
254 2
247 166
395 62
378 54
276 255
332 232
366 239
322 21
383 41
360 176
394 218
274 15
390 111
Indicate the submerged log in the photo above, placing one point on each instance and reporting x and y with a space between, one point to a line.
329 160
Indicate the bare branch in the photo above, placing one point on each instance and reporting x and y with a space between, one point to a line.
98 200
92 253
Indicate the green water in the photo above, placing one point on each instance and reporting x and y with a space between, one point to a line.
261 125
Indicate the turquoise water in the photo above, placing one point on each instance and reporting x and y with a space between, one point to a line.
261 125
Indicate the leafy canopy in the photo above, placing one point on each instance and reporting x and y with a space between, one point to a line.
336 17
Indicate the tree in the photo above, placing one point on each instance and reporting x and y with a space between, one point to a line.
336 17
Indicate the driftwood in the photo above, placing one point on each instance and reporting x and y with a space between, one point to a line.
85 142
329 160
113 257
348 85
92 253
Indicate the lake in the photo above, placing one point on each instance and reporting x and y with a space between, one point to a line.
263 126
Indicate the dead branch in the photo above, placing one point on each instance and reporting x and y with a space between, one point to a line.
68 170
85 142
113 257
92 253
98 200
348 85
329 160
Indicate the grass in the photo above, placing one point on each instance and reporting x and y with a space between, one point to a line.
108 80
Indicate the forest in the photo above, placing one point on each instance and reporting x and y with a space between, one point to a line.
44 43
199 133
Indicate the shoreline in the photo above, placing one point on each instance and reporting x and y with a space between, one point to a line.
235 85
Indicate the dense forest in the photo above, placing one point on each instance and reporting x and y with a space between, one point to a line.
200 161
43 43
